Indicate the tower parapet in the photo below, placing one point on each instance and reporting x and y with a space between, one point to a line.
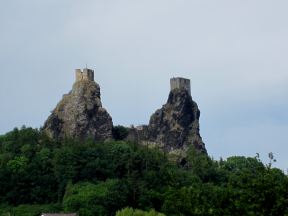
180 83
86 74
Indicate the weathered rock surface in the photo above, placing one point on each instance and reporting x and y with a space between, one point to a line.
176 124
80 114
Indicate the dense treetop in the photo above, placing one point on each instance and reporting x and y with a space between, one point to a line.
38 174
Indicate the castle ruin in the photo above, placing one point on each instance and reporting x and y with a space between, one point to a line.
85 75
175 126
180 83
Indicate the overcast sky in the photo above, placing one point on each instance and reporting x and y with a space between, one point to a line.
234 52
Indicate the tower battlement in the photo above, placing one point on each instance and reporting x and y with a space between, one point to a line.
180 83
86 74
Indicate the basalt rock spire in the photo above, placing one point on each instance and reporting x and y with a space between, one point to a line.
175 126
80 113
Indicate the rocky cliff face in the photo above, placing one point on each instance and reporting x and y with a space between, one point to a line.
80 114
173 128
176 125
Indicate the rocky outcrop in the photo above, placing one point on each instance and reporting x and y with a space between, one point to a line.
174 127
80 114
176 124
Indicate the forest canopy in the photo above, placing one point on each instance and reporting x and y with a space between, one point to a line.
38 174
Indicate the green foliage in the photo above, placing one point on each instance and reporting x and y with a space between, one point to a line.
35 210
5 210
93 199
18 164
101 178
201 165
137 212
29 210
120 132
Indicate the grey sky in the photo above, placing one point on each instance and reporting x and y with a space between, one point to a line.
234 52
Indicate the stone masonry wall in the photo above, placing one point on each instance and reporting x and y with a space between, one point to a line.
86 74
180 83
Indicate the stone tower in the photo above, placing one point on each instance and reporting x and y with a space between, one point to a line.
86 74
180 83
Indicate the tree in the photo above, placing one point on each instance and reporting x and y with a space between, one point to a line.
120 132
103 198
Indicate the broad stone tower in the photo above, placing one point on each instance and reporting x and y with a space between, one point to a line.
86 74
180 83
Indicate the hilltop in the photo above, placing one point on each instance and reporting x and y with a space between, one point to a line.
173 128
